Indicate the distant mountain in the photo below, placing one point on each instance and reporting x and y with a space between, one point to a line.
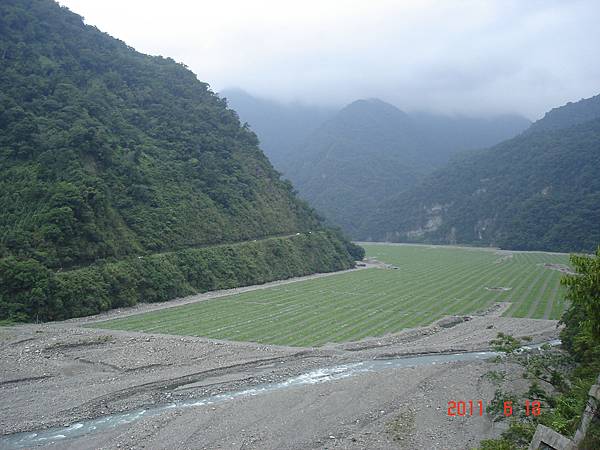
568 115
120 173
370 151
281 127
538 191
367 152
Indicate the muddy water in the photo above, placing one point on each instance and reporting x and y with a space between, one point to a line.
328 374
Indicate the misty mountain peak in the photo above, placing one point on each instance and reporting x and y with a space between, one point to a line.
374 108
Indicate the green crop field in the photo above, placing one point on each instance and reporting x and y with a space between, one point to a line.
429 283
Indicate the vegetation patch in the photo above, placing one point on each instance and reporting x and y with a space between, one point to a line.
30 291
402 426
433 283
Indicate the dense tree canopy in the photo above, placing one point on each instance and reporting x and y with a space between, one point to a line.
106 153
538 191
582 319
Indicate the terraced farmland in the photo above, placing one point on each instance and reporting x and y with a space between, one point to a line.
429 282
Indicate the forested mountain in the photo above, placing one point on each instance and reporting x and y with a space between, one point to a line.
539 191
370 151
569 115
107 154
281 128
367 152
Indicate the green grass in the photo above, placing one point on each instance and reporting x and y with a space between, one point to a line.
431 282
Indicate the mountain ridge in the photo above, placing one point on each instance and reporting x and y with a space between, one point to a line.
371 150
536 191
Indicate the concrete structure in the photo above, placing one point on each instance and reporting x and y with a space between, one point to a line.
590 411
547 439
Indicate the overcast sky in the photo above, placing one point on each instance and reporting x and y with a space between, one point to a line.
451 56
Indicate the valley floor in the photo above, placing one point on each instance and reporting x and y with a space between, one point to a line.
414 286
58 374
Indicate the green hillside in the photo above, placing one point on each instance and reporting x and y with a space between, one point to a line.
106 153
371 151
365 153
568 115
539 191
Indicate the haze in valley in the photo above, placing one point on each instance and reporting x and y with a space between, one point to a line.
472 57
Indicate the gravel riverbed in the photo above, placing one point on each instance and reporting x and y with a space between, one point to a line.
57 374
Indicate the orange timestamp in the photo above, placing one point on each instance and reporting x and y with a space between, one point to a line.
464 408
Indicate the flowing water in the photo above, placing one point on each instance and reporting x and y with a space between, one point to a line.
86 427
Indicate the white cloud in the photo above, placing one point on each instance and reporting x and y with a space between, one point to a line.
464 56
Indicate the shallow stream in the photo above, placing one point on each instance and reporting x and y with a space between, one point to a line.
86 427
